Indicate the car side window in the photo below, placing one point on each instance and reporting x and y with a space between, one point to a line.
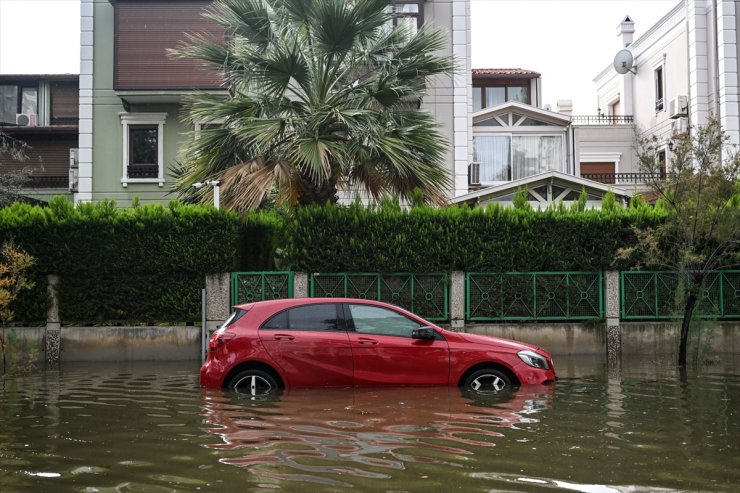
381 321
319 317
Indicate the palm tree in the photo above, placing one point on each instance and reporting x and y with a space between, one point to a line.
321 94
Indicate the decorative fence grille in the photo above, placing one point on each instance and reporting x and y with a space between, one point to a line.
427 295
258 286
652 295
532 296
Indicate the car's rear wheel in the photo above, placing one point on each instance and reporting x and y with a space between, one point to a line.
487 381
253 383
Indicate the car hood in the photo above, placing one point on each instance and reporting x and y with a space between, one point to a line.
500 342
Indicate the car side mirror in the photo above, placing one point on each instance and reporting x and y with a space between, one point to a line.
424 333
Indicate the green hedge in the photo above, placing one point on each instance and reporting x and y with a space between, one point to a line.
132 265
492 239
147 264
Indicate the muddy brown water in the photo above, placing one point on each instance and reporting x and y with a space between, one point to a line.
149 428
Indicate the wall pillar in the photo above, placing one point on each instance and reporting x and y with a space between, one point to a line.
457 301
613 328
218 300
52 337
300 285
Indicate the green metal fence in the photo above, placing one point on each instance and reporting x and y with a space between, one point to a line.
427 295
258 286
652 295
533 296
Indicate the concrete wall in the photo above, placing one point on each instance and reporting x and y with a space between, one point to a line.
638 338
119 343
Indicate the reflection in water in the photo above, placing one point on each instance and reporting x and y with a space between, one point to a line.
143 428
323 435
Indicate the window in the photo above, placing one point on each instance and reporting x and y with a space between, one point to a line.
487 97
660 163
319 317
143 148
407 13
15 99
381 321
507 157
659 89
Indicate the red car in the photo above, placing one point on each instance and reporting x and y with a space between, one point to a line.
342 342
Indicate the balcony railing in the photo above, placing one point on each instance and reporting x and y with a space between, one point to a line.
602 119
615 178
143 171
47 182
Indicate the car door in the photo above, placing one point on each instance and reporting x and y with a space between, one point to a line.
384 353
310 346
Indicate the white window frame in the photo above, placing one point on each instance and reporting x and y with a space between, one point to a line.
129 119
511 136
660 65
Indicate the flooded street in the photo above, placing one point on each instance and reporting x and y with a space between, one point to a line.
149 428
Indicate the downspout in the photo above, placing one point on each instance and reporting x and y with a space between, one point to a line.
715 29
688 62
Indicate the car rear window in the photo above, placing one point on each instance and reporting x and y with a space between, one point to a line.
235 315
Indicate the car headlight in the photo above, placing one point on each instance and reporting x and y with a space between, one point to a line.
533 359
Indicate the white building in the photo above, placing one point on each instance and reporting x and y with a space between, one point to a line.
684 71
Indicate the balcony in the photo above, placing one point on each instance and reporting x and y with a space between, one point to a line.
623 178
602 119
47 182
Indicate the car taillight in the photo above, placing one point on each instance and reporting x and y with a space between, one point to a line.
219 339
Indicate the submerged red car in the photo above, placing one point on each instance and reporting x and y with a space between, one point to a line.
342 342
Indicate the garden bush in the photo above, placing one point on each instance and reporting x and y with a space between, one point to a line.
131 265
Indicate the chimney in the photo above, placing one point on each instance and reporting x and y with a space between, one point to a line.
626 29
565 106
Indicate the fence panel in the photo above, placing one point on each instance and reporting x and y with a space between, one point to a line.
652 295
247 287
424 294
533 296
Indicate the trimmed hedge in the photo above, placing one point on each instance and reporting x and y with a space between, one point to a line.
147 264
491 239
131 265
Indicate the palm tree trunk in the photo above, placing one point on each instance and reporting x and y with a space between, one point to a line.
311 192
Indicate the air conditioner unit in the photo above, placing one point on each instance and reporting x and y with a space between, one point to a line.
25 119
474 174
678 107
73 179
680 126
74 158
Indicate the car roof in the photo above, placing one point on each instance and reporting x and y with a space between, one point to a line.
287 302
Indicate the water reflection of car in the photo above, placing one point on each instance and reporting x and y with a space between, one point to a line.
342 438
341 342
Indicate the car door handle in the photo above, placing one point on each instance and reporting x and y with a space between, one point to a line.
362 340
286 337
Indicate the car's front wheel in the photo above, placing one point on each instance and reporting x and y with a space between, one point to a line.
254 383
488 381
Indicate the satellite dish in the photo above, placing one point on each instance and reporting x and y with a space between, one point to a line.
623 62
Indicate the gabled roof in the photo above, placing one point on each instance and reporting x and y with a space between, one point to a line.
549 177
524 109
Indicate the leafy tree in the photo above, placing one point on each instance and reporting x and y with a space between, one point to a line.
321 94
11 182
701 194
14 263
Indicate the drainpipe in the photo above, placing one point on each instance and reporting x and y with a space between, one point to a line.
715 29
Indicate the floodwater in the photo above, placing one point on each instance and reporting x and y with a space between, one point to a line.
150 428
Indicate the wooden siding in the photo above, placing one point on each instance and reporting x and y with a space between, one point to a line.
48 158
144 31
64 102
